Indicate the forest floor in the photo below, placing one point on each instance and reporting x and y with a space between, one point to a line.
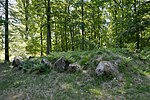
85 85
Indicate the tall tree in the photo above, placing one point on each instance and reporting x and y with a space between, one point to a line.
41 38
6 33
26 5
137 31
82 24
65 26
48 28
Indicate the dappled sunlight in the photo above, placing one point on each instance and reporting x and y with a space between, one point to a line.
66 86
96 92
85 71
74 50
5 71
72 89
147 74
132 80
17 96
18 82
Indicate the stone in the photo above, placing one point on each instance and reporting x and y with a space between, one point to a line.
117 62
106 68
73 67
61 64
99 58
46 62
17 62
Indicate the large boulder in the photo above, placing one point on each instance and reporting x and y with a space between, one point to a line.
61 64
106 68
17 62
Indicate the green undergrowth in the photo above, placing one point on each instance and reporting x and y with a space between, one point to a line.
132 83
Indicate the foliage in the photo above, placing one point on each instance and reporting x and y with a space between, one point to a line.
78 25
87 59
34 65
1 21
33 46
145 54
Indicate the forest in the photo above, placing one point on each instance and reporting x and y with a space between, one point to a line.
38 38
38 27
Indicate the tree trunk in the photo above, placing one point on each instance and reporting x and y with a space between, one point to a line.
99 34
82 46
41 41
137 31
62 42
26 17
56 38
72 38
48 28
116 25
66 46
122 21
6 33
93 18
137 40
71 29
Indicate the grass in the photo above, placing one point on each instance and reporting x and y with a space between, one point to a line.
133 81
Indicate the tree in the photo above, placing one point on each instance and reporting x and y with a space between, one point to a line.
62 25
26 5
49 44
82 23
6 33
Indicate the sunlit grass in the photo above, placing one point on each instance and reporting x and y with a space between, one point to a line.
84 85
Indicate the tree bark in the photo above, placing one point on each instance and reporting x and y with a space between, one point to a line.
99 34
48 28
26 17
66 46
41 35
82 46
6 33
72 37
56 38
116 24
137 31
122 21
93 18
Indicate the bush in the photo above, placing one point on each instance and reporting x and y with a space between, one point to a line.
35 65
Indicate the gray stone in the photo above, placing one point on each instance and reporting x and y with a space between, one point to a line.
73 67
61 64
106 68
17 62
46 62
